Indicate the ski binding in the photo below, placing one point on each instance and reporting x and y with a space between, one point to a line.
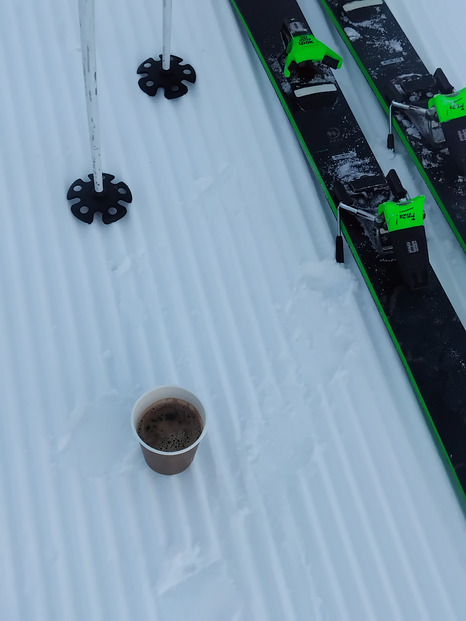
303 55
438 112
398 227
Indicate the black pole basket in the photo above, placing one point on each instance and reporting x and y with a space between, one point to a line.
172 80
110 202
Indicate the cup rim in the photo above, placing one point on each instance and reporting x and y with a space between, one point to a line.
188 396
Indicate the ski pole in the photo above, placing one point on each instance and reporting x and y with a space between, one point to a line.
167 34
87 28
168 72
98 194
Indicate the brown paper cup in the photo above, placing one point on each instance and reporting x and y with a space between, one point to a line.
167 462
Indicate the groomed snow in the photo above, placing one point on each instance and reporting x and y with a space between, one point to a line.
318 492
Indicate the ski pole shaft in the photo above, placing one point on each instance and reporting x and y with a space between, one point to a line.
167 34
87 27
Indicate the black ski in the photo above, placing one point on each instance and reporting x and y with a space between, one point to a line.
428 115
425 329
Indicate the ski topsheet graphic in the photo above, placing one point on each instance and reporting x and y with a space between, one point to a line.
382 225
428 114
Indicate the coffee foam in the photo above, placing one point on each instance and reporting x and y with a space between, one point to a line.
170 425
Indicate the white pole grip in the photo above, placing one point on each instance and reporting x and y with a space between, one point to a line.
167 33
87 27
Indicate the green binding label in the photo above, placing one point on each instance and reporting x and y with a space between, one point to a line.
306 47
403 215
449 107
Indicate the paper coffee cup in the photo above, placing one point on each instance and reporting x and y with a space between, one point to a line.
172 415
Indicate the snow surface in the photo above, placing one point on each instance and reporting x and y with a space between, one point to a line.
318 492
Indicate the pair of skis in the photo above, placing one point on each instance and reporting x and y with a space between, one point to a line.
382 225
